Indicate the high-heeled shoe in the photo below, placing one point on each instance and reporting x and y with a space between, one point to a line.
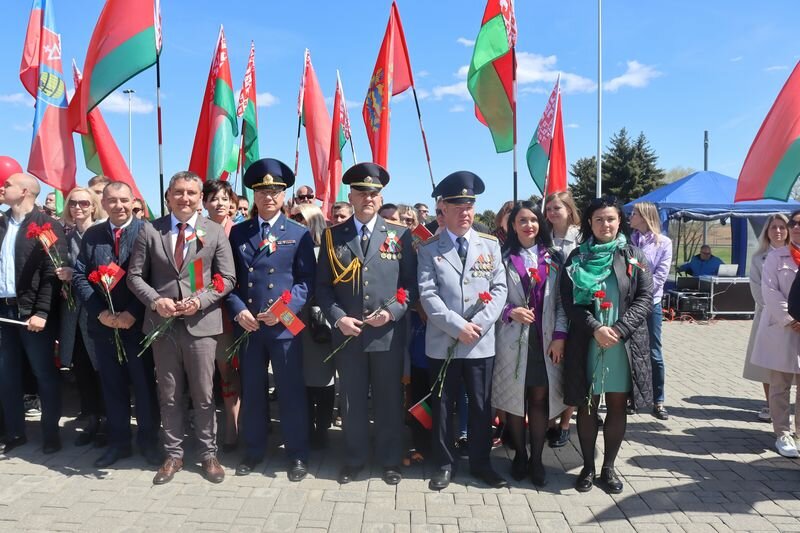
537 473
519 466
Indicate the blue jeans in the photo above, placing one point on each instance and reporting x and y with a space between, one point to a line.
654 320
17 342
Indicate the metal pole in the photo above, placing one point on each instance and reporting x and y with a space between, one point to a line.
130 93
160 138
424 138
705 168
514 116
599 182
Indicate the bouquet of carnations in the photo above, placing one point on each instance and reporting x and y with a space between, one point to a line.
284 315
535 280
107 277
603 314
45 235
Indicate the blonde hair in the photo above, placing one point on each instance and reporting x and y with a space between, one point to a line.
763 238
649 212
315 221
97 209
565 197
404 209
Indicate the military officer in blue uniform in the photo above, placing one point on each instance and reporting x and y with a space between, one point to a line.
362 264
272 254
455 267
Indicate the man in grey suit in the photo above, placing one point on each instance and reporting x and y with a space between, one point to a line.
362 264
455 267
173 259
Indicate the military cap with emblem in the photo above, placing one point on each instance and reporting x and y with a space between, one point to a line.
459 188
268 173
366 177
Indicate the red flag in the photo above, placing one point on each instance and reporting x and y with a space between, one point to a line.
52 157
339 135
557 174
392 75
318 128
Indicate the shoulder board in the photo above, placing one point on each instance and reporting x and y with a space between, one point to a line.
432 239
487 236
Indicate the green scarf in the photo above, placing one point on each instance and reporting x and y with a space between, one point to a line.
592 266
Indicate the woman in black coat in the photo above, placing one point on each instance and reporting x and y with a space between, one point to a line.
607 295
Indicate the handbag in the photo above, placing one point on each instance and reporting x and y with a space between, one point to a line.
319 326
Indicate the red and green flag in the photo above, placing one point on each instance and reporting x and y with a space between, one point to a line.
422 412
196 275
490 79
317 121
214 154
392 75
126 41
247 110
773 162
547 158
101 153
340 134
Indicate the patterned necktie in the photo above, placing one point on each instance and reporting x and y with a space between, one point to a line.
180 242
364 239
462 249
117 236
264 230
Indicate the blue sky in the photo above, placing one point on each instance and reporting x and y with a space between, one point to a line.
670 69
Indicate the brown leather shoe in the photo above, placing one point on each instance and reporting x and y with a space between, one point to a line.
171 466
212 470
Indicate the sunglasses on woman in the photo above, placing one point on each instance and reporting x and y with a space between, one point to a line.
305 196
136 210
83 204
298 218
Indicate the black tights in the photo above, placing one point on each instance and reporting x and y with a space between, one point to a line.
613 428
537 425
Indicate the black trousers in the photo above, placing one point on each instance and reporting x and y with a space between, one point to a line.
476 375
87 378
420 386
320 408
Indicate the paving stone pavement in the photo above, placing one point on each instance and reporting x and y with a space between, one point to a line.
710 468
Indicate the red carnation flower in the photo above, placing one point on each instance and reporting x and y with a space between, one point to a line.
605 306
485 297
401 296
286 297
94 277
534 274
218 283
46 226
600 295
34 230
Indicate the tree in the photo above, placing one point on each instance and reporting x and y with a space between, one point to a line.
676 173
486 218
584 170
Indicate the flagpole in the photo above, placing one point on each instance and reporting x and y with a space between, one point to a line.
300 116
599 180
160 138
514 117
347 114
424 137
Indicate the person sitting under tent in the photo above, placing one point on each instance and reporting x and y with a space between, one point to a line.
702 264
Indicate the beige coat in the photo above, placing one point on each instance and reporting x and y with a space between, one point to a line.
751 371
508 390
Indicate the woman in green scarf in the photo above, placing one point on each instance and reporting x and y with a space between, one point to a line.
607 295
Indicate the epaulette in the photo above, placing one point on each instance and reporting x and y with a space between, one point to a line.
488 236
432 239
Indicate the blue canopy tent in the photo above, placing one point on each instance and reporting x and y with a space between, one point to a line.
708 196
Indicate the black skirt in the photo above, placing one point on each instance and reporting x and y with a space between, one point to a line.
536 370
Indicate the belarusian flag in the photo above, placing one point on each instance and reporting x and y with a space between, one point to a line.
392 75
422 411
773 162
491 73
101 153
214 153
126 41
248 112
318 127
547 161
340 134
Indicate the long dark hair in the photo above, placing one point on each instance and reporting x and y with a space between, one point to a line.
543 238
601 203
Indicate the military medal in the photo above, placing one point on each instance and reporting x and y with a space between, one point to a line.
390 248
270 244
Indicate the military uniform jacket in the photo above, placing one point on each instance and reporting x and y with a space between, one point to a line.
382 272
449 292
262 274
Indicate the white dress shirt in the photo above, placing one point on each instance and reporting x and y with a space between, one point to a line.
191 224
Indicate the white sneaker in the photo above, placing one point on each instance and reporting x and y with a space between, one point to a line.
764 415
786 446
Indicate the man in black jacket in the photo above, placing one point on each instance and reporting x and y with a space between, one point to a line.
28 291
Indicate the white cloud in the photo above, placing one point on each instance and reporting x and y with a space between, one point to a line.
25 128
457 89
637 75
776 68
534 68
534 90
423 74
573 126
458 108
264 99
736 59
462 72
17 99
117 102
466 42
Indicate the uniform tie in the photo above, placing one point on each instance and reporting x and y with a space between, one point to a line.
462 249
180 242
264 230
364 239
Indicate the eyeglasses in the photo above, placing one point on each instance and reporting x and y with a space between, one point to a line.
298 217
793 223
407 220
137 210
272 193
83 204
439 212
305 196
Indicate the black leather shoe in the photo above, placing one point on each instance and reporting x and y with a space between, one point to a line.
152 456
585 480
660 412
519 466
440 480
298 470
348 474
247 466
51 446
538 474
609 480
392 475
491 478
9 443
111 456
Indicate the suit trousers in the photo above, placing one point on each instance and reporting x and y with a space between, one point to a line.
780 390
476 377
286 357
16 343
384 371
175 353
116 379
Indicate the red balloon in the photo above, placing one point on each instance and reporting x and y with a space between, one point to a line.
8 166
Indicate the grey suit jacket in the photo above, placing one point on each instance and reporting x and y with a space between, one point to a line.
449 292
152 273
